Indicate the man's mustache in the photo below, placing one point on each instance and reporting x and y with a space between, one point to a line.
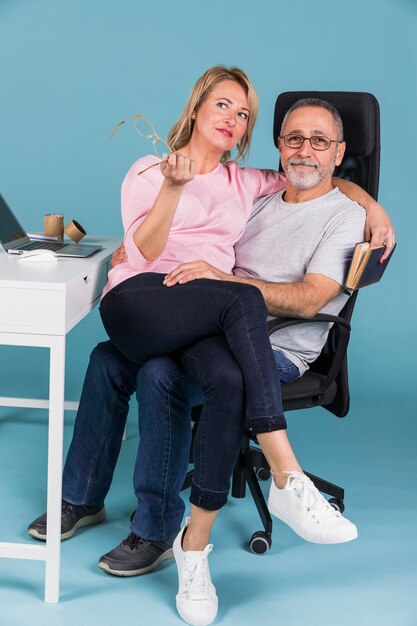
307 162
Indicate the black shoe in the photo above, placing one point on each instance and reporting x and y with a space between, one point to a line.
73 517
136 556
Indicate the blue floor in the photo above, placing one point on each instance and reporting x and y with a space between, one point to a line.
372 581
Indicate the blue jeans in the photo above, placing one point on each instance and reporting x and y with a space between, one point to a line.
162 456
144 319
165 394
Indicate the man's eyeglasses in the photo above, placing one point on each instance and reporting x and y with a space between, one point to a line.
147 131
317 142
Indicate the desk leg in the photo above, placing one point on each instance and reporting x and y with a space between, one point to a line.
55 448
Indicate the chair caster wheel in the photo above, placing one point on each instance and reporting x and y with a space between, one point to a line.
263 474
259 542
337 504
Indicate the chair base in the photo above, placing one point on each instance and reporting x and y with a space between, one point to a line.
251 467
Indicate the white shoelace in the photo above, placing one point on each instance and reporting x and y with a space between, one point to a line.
196 573
312 502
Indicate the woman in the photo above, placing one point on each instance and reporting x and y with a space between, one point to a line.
195 206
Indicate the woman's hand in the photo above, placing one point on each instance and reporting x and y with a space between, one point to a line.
178 169
379 229
152 235
119 256
186 272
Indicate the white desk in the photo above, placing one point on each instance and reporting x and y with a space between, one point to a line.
39 304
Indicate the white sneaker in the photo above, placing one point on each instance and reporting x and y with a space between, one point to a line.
301 505
196 598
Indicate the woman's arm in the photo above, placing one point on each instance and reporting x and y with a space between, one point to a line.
378 227
152 235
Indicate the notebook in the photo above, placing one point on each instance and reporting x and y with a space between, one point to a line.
14 239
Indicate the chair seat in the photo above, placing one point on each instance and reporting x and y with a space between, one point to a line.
307 391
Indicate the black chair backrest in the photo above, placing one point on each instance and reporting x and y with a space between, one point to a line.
360 116
340 404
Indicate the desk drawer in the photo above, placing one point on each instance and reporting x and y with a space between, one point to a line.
94 282
51 311
31 310
84 292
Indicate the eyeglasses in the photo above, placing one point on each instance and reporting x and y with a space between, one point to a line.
317 142
147 131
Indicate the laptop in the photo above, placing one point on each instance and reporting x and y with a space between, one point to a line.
14 239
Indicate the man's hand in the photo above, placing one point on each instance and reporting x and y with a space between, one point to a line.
186 272
379 229
118 256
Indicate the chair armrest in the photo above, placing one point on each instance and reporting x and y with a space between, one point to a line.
342 339
278 323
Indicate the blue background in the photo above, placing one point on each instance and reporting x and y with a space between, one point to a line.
71 70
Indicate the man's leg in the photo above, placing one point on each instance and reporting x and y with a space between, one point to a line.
165 396
109 382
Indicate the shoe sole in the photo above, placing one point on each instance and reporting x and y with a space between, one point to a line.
88 520
300 530
168 554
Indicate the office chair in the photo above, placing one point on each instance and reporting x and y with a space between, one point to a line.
326 383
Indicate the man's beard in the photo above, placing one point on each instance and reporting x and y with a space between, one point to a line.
307 178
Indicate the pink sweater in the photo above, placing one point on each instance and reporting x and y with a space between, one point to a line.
210 218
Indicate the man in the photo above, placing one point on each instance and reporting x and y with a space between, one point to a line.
298 276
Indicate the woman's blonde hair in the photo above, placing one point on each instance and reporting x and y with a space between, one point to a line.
180 134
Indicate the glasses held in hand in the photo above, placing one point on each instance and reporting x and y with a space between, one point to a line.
147 131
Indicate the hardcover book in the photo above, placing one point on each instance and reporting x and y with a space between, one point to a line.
366 267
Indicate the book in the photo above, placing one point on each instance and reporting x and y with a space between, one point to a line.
365 268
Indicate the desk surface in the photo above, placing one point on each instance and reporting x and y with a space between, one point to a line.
55 275
51 297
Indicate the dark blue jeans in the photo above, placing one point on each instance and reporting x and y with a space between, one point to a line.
165 395
144 319
164 430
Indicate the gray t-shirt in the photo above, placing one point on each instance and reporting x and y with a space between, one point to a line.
283 242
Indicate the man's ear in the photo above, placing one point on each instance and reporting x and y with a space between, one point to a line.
279 143
340 152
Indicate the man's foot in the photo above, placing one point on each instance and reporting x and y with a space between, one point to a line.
135 556
301 505
196 598
73 517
